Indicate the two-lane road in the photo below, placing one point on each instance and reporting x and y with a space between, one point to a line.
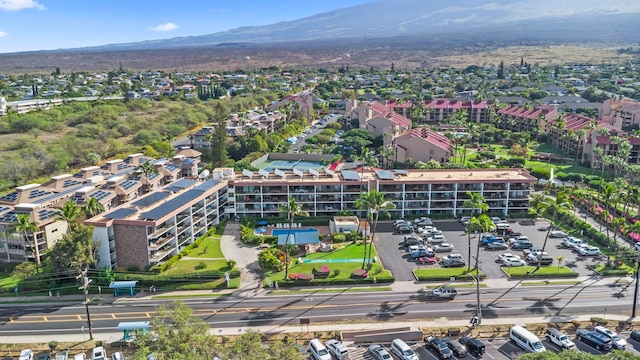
288 309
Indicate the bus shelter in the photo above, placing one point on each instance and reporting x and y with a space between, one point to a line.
131 327
123 287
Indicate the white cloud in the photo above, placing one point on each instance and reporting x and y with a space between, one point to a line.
3 34
164 27
16 5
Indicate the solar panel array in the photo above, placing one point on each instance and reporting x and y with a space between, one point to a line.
350 175
189 161
385 175
183 183
11 197
120 213
38 193
207 185
122 166
100 194
70 182
402 172
171 205
47 213
55 196
151 199
4 208
11 216
171 167
128 184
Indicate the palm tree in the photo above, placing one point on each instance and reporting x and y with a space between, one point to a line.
26 227
476 201
146 169
293 209
70 213
484 224
375 203
552 206
93 207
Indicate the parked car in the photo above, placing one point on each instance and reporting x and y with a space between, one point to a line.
474 346
98 353
533 259
521 244
500 245
569 241
428 259
336 349
458 349
420 252
423 221
443 247
378 352
453 263
117 356
436 239
559 338
504 256
594 339
589 251
452 256
497 220
443 292
513 262
558 234
439 347
464 219
635 335
26 354
488 239
618 342
44 356
534 251
402 229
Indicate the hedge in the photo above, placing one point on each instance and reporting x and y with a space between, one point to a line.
372 279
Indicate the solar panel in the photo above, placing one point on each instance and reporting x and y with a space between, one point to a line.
189 161
151 199
47 213
402 172
385 175
128 184
171 205
100 194
4 208
37 193
119 214
70 182
207 185
350 175
11 216
11 197
171 167
183 183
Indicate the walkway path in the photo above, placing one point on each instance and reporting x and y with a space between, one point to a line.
246 258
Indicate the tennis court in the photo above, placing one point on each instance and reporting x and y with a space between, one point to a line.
271 165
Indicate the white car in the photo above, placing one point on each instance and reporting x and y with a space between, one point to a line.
577 247
503 257
569 241
26 354
436 239
589 251
423 221
558 234
497 220
98 353
512 262
412 248
465 219
336 349
443 247
618 342
452 256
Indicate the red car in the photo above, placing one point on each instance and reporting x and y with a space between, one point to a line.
429 259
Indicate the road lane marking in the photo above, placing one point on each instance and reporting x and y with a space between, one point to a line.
45 318
11 319
148 315
79 318
113 316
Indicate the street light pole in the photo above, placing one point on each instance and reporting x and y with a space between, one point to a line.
478 308
635 291
85 290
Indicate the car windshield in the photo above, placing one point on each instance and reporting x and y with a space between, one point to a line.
563 338
537 345
323 352
442 346
616 338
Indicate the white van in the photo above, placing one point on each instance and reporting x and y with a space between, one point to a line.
403 350
318 350
526 340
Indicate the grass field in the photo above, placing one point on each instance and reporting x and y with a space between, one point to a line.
444 272
188 266
551 271
210 248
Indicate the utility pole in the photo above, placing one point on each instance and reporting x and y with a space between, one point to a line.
85 290
635 292
478 307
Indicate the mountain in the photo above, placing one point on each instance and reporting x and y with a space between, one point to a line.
559 19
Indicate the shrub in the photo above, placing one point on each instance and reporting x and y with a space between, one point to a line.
541 173
336 272
359 273
339 238
53 345
231 264
201 266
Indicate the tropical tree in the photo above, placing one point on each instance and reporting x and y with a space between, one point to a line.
70 213
552 206
376 204
92 208
75 251
292 208
27 228
146 169
476 202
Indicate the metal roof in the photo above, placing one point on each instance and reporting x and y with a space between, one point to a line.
123 284
133 325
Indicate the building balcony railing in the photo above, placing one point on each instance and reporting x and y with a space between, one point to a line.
159 255
159 231
181 229
154 245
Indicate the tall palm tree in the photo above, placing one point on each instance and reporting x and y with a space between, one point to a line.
146 169
93 207
293 209
552 206
375 203
476 201
26 227
484 224
70 213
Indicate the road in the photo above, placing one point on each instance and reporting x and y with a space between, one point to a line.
282 310
301 141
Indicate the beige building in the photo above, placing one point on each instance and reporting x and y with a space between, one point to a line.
422 144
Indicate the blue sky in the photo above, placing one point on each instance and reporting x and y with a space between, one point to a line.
27 25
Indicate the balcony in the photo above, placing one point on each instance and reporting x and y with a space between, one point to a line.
494 187
518 194
159 255
112 245
390 188
155 245
328 189
442 188
159 231
410 188
275 190
278 199
183 228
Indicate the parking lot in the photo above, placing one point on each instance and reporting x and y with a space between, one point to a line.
394 255
496 348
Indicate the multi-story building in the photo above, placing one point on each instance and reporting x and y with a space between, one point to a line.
621 112
414 192
422 144
157 225
520 118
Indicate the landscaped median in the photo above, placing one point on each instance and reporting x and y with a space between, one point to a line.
340 267
614 269
544 272
446 274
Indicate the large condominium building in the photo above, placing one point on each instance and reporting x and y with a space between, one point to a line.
414 192
154 227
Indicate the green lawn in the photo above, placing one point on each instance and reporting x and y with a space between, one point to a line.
548 148
444 273
188 266
551 271
350 251
210 248
6 280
